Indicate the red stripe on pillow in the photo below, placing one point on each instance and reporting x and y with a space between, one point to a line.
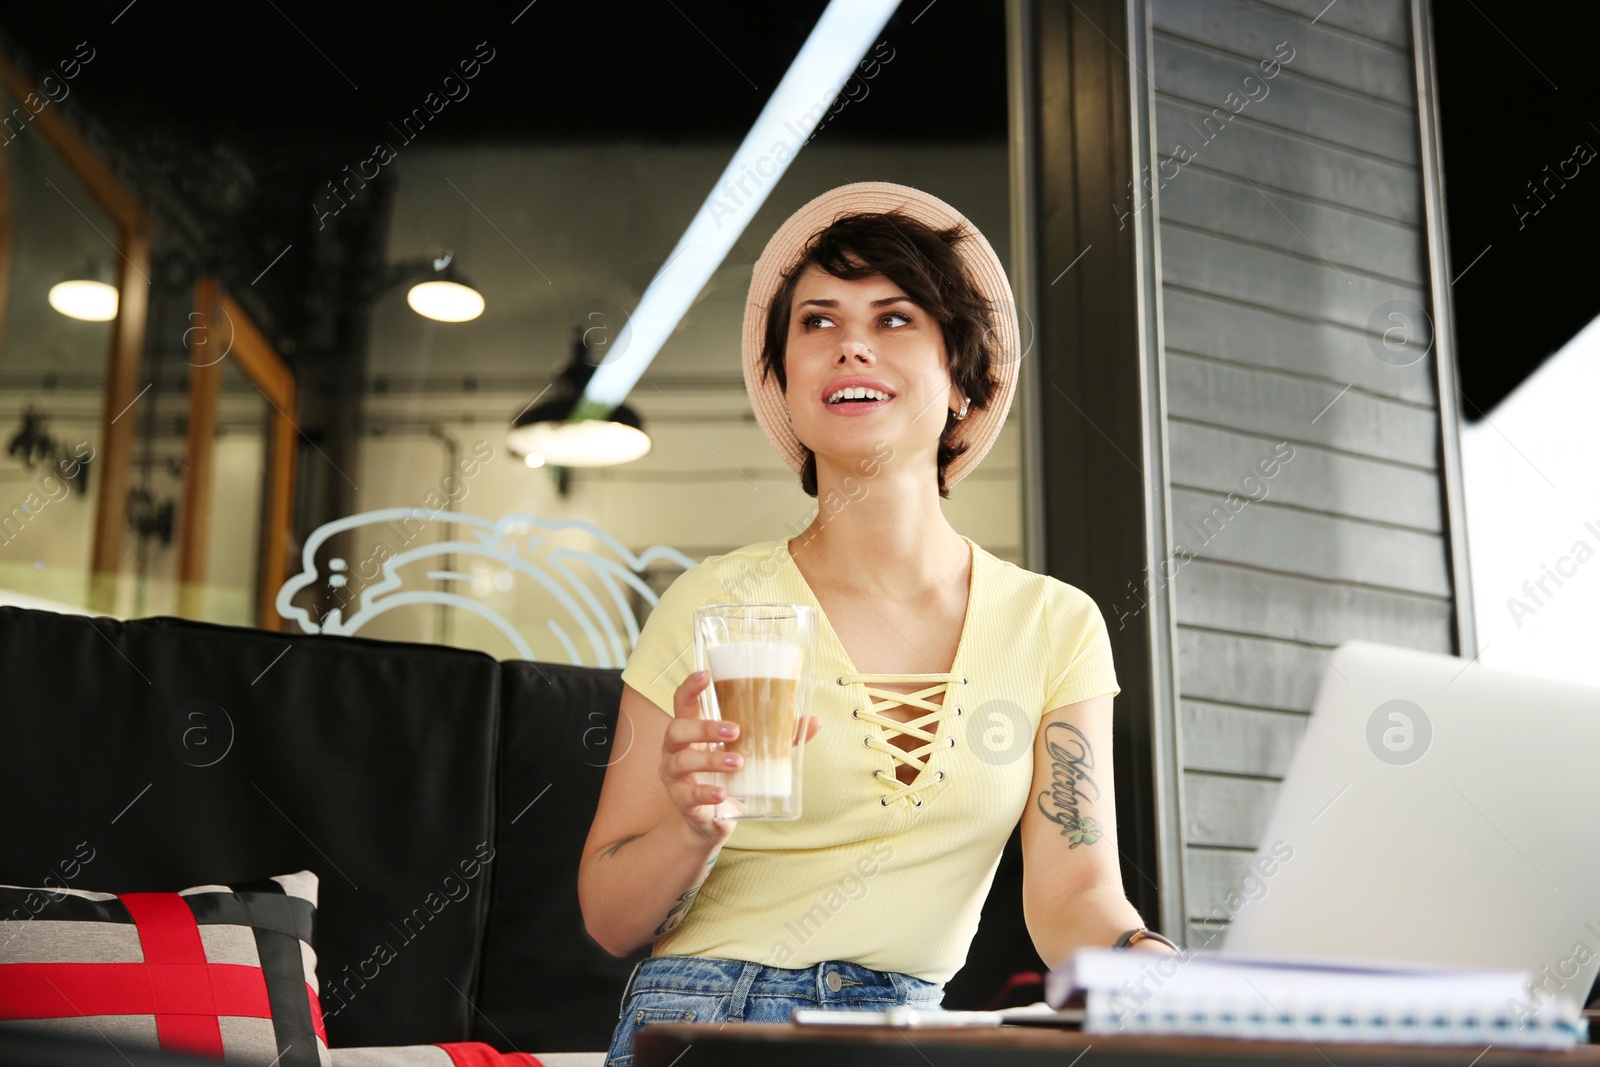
66 990
316 1014
167 930
178 972
478 1054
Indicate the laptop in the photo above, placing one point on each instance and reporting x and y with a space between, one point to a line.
1435 811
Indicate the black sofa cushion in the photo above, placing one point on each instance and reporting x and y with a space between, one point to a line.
547 987
184 753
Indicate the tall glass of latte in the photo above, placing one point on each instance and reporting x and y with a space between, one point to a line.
759 656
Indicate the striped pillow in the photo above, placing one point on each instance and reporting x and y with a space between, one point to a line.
218 971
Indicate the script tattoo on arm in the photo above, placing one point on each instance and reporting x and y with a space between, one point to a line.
676 913
1071 760
612 851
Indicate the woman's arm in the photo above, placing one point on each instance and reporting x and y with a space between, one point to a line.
646 857
1072 894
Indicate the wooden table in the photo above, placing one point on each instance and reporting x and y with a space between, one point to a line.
790 1045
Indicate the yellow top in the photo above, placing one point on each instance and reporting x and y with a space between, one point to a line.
877 873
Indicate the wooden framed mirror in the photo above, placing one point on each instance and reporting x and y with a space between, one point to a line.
68 373
238 495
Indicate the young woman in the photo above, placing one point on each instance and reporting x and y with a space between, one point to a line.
956 693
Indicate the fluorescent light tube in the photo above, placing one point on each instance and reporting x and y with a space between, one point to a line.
826 61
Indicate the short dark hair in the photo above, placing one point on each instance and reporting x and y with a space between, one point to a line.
925 264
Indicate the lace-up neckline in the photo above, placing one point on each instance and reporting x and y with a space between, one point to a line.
925 727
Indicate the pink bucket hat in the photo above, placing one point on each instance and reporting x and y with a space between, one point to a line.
980 428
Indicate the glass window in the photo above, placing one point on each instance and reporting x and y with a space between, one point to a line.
452 537
410 517
564 261
239 463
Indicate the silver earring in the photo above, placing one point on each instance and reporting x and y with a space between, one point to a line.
965 401
787 414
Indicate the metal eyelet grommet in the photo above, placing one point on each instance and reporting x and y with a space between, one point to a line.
958 711
883 802
840 679
952 743
855 713
964 681
939 777
916 803
866 741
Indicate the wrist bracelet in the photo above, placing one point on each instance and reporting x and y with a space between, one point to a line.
1140 934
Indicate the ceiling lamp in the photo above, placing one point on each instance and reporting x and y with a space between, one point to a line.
443 295
90 295
545 433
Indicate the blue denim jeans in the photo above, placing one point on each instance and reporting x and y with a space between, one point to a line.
683 989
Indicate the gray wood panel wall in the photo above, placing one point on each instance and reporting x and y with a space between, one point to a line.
1290 219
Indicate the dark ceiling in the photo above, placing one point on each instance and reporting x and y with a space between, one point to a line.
299 72
1517 94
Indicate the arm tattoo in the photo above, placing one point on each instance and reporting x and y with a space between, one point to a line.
677 912
679 909
1071 760
612 851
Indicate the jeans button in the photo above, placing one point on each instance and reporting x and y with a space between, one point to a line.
833 981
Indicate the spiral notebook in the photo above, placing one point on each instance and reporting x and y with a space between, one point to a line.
1311 1000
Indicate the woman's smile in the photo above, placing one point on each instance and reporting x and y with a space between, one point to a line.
853 395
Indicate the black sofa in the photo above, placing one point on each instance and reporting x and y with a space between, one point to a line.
441 797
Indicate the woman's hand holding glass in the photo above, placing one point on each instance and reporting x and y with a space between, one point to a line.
690 759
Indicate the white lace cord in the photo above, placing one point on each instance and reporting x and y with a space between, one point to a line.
923 728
